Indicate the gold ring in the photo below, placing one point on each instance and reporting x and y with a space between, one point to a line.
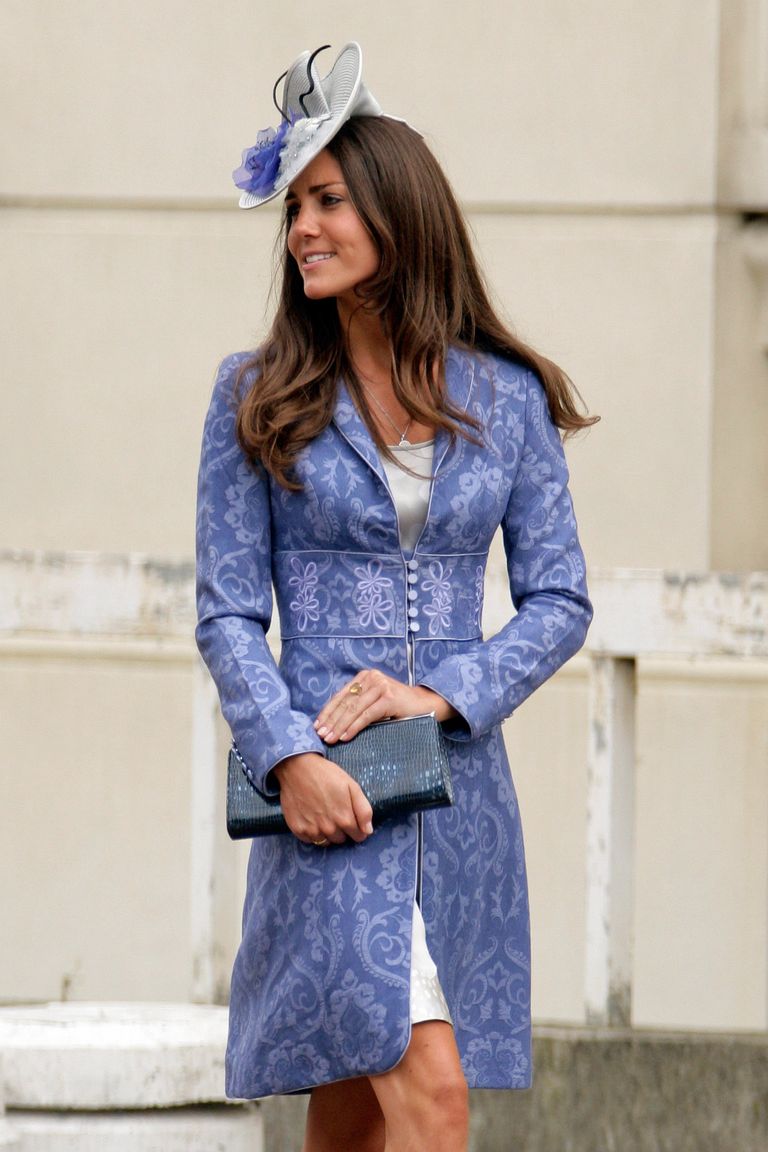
321 843
355 689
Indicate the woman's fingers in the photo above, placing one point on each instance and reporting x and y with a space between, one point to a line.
364 699
348 701
320 802
363 811
352 818
370 696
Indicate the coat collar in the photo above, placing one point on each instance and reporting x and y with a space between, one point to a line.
459 378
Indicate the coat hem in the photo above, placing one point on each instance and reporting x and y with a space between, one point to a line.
333 1080
495 1087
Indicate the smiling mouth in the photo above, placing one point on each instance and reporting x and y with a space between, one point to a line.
317 258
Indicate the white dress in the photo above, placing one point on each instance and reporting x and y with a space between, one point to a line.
411 496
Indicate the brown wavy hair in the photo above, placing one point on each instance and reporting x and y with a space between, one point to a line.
428 292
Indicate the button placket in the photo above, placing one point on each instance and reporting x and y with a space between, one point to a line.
413 577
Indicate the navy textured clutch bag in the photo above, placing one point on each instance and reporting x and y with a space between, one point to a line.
401 765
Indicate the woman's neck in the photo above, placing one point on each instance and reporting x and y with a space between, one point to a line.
367 344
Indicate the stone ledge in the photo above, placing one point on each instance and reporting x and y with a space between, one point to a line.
634 1090
204 1129
553 1034
108 1056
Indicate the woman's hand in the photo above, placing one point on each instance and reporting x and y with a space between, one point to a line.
320 802
371 696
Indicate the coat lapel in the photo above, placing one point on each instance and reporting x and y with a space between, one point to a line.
355 431
459 378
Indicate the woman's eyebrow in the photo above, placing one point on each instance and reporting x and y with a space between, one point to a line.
291 195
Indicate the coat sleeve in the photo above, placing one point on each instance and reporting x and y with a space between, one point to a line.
234 595
547 578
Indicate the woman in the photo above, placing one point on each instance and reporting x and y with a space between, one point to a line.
360 462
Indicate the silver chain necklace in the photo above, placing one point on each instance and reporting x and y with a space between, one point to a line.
384 412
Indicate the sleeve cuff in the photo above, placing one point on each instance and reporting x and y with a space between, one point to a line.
271 786
457 727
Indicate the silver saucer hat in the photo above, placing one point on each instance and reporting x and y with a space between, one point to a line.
313 109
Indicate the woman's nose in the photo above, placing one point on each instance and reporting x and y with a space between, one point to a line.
305 222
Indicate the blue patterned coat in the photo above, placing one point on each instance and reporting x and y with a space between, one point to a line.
320 987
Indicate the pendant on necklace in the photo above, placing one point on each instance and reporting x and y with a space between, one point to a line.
402 442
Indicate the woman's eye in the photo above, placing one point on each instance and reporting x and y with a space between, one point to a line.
329 199
291 212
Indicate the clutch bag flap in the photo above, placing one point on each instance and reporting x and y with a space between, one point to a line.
401 765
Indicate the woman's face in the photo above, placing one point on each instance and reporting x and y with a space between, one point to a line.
326 237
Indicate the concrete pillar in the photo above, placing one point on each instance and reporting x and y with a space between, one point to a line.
206 819
610 840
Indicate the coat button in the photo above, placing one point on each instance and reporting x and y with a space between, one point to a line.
413 611
414 626
413 578
412 594
412 564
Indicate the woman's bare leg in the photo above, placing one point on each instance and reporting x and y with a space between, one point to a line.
425 1100
344 1117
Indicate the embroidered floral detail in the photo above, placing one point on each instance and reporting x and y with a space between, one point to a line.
373 596
376 613
307 607
305 603
437 582
439 611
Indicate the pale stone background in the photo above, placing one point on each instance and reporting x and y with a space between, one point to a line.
613 160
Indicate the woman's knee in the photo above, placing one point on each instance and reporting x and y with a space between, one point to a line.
434 1119
427 1092
446 1104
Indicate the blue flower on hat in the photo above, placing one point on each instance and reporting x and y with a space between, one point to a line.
261 163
